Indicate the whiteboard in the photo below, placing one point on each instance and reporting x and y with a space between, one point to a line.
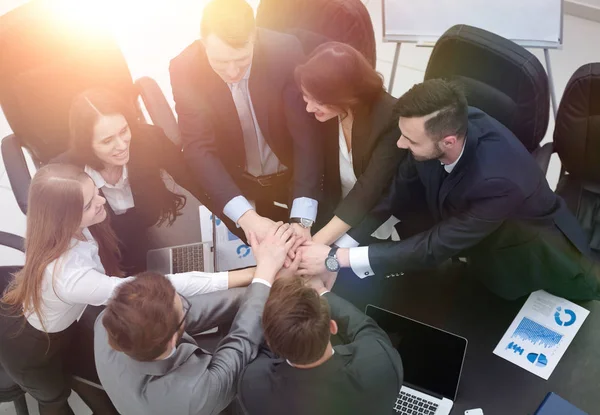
531 23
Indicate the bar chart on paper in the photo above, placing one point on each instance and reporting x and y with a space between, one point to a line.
532 332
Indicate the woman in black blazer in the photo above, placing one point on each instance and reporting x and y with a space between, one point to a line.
344 92
126 159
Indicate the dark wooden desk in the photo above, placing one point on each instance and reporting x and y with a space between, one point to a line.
448 300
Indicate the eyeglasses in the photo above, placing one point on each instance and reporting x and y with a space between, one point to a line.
186 305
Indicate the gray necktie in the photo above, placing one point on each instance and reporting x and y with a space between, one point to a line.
242 104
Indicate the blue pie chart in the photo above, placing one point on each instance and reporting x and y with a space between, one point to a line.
538 359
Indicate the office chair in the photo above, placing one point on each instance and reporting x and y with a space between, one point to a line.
577 142
346 21
9 390
499 77
45 61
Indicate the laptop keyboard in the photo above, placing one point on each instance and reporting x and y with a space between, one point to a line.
188 258
407 404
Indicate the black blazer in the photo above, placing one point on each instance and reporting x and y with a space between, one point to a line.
496 209
213 144
364 376
375 159
150 151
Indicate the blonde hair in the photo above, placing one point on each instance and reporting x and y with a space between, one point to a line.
54 215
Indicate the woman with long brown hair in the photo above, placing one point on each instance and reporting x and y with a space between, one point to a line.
343 91
127 159
71 261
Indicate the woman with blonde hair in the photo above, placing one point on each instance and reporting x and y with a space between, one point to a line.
71 261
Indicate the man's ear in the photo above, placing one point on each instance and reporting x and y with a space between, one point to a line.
333 327
449 141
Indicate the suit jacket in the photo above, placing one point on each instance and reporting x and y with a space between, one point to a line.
150 152
364 376
213 143
375 158
192 381
496 209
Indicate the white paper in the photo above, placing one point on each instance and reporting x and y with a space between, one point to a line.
231 251
540 334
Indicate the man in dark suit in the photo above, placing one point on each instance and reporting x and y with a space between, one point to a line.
245 132
489 199
310 376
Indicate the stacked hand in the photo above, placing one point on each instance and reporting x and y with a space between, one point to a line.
271 252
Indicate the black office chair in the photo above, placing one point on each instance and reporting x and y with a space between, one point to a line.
346 21
9 390
499 77
577 142
45 61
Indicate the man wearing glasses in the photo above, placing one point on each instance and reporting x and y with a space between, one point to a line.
148 362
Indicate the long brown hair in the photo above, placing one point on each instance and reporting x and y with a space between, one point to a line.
85 110
338 75
54 215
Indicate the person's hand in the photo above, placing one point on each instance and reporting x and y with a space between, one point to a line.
302 235
253 222
272 251
313 258
290 271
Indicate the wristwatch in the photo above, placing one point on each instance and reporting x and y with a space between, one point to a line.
331 262
305 223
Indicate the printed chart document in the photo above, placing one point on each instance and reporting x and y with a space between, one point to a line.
231 251
540 334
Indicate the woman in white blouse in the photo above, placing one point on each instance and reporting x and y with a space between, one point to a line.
343 91
126 159
71 261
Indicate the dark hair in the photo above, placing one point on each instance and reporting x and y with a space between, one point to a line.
296 321
84 112
140 319
232 21
436 95
336 74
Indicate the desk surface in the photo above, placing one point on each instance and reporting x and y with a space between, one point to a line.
450 301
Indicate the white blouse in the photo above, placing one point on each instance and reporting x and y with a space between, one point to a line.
348 180
79 280
119 195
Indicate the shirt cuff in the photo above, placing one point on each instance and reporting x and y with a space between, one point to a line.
304 207
221 281
359 261
261 281
323 293
236 207
346 241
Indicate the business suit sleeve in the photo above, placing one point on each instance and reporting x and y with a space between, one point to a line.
491 204
199 140
213 309
371 185
308 153
235 351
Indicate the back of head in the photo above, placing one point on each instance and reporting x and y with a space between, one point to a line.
232 21
141 319
338 75
85 111
444 101
296 321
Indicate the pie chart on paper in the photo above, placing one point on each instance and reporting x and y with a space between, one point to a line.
538 359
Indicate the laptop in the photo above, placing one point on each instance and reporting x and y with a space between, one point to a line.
432 359
181 258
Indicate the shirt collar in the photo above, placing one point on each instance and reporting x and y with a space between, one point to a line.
451 166
244 78
292 365
99 180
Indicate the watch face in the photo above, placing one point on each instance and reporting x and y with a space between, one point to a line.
307 223
332 264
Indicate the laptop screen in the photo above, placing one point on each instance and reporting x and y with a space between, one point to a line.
432 358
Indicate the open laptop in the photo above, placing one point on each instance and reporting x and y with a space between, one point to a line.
181 258
432 360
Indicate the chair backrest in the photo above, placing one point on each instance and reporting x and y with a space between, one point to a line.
44 62
577 130
346 21
500 77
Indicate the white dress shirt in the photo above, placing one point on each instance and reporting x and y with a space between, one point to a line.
302 207
119 195
359 256
77 279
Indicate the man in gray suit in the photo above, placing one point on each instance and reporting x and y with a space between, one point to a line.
150 365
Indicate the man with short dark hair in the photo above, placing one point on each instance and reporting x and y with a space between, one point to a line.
147 360
310 376
245 132
490 201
